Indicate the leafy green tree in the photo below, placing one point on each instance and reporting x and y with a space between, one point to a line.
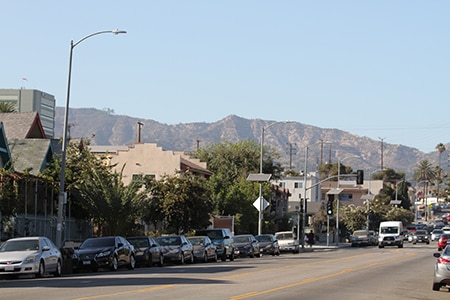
354 217
232 194
182 202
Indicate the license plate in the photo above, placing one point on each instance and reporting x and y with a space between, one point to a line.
86 262
9 268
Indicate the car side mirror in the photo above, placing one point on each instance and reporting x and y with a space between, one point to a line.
437 254
46 248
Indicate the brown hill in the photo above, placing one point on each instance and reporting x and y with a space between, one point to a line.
106 128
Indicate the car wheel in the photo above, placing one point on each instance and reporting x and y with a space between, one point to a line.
58 270
132 262
161 260
400 246
41 270
232 255
436 286
115 264
224 256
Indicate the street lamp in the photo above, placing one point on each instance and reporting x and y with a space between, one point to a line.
303 199
62 195
261 202
337 201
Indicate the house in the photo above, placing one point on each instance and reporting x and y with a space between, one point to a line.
148 159
31 151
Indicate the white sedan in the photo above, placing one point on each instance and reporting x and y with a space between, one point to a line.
30 255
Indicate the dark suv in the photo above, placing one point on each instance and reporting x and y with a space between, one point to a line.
223 239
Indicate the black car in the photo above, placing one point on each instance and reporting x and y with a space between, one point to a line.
247 245
147 250
421 236
176 248
268 244
109 252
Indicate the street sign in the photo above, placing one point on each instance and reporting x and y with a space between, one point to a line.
257 203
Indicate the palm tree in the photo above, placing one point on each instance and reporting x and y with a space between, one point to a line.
440 148
7 107
424 173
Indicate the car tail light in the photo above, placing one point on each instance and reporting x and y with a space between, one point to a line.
442 260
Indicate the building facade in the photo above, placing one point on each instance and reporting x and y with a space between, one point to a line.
27 100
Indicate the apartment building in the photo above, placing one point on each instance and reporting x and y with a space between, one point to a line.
28 100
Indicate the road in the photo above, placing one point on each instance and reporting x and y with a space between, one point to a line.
344 273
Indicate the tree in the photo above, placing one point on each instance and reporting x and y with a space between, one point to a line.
7 107
181 201
231 193
440 148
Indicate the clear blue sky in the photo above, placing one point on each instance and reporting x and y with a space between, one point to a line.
373 68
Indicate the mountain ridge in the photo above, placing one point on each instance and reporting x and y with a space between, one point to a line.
103 127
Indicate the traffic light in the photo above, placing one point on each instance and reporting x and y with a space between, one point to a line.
359 176
330 205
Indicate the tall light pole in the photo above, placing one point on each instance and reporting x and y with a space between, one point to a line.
62 193
337 201
303 199
261 202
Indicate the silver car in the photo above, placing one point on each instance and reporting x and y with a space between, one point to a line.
30 255
442 269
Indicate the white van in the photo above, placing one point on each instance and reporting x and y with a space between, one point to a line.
390 234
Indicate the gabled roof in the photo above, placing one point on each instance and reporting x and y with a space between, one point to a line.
22 125
31 155
5 153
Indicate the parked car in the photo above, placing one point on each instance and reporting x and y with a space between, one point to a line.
30 255
147 250
247 245
373 238
176 248
446 229
421 236
443 241
223 239
441 269
360 238
436 234
287 241
268 244
204 248
109 252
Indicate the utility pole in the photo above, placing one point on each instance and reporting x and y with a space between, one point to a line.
292 150
382 151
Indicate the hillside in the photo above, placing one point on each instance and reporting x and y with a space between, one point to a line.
106 128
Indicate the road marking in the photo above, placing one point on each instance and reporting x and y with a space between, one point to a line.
313 279
127 292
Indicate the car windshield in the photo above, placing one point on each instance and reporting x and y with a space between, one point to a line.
212 234
196 241
241 239
264 238
389 229
98 243
25 245
139 242
438 231
169 240
284 236
360 233
421 232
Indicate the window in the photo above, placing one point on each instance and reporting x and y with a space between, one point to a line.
298 185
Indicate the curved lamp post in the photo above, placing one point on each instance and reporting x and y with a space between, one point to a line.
62 194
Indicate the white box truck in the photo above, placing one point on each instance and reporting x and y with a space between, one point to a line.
390 234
